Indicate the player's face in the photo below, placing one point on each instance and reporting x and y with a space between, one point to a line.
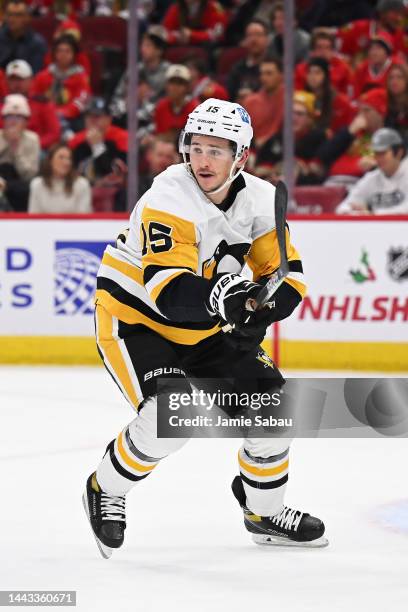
211 159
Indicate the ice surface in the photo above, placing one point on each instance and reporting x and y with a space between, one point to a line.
186 548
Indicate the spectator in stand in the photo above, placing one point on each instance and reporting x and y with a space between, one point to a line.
195 22
64 82
348 155
145 110
58 189
160 154
19 152
323 45
354 38
71 28
329 13
203 85
383 191
333 109
244 76
101 146
75 8
241 13
301 39
43 113
308 140
266 105
3 84
397 91
373 71
18 40
171 112
152 66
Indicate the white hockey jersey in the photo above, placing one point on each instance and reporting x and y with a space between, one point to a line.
176 230
382 194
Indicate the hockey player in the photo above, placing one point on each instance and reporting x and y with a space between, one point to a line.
164 293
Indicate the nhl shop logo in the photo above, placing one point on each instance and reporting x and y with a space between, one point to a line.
398 264
75 268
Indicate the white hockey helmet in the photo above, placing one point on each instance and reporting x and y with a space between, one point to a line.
223 119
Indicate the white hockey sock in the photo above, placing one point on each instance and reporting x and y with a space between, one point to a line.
264 481
123 465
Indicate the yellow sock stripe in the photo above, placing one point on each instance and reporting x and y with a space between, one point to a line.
111 351
129 461
263 471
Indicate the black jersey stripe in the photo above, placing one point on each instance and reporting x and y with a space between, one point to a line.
151 270
136 303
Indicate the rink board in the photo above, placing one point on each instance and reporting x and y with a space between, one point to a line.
355 315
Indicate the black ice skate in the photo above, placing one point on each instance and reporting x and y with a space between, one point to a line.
106 514
288 528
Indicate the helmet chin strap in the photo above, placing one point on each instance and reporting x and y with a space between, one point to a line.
229 180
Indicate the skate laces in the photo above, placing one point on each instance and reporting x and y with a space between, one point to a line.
112 507
287 518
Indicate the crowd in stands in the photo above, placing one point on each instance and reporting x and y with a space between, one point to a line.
64 91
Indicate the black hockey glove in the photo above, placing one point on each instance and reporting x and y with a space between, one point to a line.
228 300
228 297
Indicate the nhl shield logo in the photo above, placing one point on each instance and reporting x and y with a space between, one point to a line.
398 264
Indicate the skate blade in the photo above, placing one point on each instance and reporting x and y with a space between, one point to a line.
105 551
269 540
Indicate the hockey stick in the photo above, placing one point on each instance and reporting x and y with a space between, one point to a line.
277 278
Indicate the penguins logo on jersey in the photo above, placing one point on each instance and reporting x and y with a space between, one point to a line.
265 359
238 251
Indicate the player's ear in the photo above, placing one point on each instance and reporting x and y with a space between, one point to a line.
243 159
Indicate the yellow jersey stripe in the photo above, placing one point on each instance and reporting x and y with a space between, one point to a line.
127 269
180 255
264 258
299 286
183 231
154 293
112 353
132 317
